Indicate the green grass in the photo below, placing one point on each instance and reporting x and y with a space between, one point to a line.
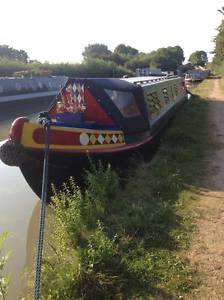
204 88
4 279
222 83
113 242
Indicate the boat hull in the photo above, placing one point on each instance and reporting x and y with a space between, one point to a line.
62 167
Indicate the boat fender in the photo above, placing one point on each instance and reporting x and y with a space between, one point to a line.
12 153
189 95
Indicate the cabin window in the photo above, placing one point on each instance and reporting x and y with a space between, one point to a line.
125 102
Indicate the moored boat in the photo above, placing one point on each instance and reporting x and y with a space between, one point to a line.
106 119
196 75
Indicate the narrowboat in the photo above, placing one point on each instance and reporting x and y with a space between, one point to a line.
98 118
196 75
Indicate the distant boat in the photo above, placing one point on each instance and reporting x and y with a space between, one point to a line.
104 119
196 75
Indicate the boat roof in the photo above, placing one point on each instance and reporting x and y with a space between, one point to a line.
146 80
112 83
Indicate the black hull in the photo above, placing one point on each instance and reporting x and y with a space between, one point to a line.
62 167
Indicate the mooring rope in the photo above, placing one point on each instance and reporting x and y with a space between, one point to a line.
37 284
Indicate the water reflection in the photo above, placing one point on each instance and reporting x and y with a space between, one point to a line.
16 206
19 206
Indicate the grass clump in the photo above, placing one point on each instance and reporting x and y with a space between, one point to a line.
4 279
204 88
110 242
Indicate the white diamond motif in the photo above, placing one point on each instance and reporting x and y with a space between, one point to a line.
100 139
114 138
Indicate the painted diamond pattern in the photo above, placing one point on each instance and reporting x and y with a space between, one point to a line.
93 139
114 138
101 139
120 138
108 138
78 91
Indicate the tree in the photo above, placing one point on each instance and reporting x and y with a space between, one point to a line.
219 45
123 54
177 53
199 58
13 54
141 60
118 59
167 59
96 51
122 49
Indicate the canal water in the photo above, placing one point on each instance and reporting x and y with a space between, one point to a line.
19 216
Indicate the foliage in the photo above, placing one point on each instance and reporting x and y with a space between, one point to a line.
124 53
219 45
4 280
140 61
112 242
125 50
167 59
13 54
121 54
98 61
199 58
204 88
89 68
8 67
218 59
96 51
102 68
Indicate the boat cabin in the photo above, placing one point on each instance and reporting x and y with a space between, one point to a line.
101 104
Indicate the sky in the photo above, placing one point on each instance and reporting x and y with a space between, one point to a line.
58 31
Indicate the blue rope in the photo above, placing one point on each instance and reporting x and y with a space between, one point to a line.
37 286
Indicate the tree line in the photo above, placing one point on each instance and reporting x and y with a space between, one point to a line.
218 59
99 61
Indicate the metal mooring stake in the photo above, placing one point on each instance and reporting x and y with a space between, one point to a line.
37 285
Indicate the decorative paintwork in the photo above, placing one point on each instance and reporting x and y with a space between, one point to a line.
159 97
70 138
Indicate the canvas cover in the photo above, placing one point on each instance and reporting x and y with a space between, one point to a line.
103 101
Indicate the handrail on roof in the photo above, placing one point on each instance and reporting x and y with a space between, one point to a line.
144 81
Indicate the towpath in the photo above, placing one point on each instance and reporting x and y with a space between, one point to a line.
207 250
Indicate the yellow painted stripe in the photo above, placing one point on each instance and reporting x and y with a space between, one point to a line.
28 141
88 147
